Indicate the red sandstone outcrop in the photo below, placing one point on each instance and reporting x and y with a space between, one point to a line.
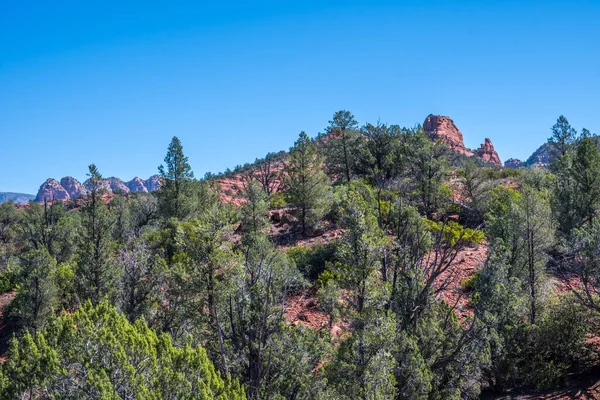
73 187
136 185
116 185
152 183
442 128
487 153
52 190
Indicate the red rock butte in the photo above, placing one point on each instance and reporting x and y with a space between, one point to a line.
443 128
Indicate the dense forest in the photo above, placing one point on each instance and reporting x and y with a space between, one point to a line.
185 292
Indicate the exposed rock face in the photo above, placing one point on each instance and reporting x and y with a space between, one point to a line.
487 153
152 183
73 187
104 186
52 190
513 163
541 156
443 128
116 185
136 185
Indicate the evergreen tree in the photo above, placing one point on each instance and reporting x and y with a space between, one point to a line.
535 229
378 156
341 146
475 190
176 177
37 290
427 168
306 182
563 137
96 274
257 297
51 227
363 365
586 176
95 353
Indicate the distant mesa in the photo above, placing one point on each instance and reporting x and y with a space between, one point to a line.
442 128
70 188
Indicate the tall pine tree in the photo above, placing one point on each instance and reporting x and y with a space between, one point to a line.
176 178
96 274
306 181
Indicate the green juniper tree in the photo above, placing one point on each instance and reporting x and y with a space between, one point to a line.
95 353
37 290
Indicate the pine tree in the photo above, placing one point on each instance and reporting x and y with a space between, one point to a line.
563 137
257 296
536 233
176 177
306 182
96 274
586 176
427 168
341 146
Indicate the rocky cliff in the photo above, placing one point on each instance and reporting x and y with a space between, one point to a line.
71 188
442 128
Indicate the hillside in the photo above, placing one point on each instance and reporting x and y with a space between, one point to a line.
372 259
18 198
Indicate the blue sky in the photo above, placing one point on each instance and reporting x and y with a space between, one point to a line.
110 83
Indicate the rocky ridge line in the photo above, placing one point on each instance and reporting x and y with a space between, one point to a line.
70 188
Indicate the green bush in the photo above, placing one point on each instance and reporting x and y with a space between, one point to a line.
311 261
277 200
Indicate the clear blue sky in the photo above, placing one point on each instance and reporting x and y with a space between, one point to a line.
111 82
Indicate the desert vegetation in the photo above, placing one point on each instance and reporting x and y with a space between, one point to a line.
369 262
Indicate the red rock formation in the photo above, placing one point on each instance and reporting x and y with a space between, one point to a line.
52 190
116 185
136 185
152 183
442 128
73 187
487 153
